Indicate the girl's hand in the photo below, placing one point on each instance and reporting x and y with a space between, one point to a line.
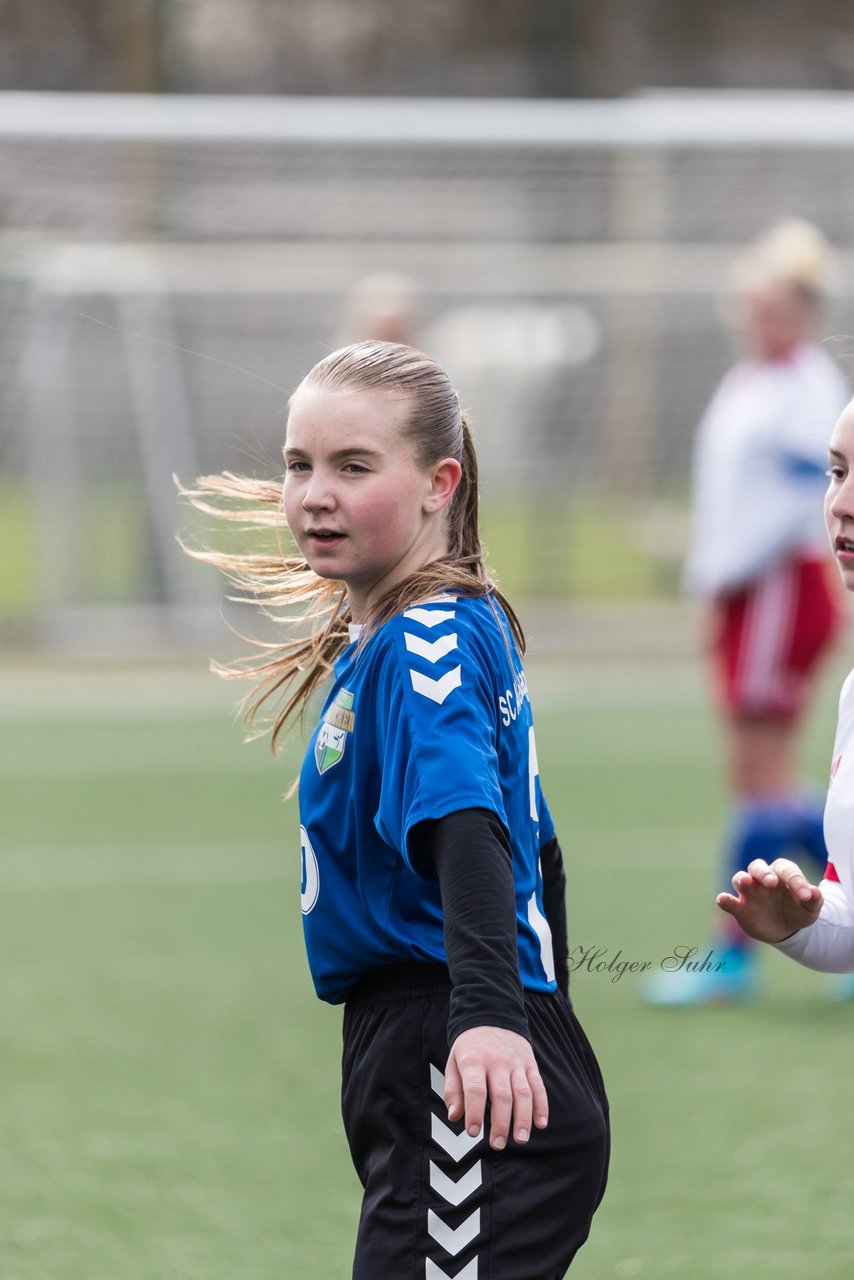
499 1065
773 901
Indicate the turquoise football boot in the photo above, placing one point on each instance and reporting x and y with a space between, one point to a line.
718 976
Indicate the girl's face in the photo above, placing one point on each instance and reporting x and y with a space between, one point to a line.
839 499
358 505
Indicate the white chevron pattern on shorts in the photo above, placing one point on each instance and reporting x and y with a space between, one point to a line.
456 1145
453 1241
437 1081
436 690
431 650
430 617
436 1273
456 1192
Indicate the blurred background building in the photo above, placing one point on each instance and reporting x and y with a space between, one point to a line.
191 195
546 48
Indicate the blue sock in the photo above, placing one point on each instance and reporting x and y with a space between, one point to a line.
759 829
772 829
769 829
810 813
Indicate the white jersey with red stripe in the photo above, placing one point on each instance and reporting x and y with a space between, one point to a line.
759 463
828 944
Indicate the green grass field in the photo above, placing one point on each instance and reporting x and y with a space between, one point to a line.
170 1084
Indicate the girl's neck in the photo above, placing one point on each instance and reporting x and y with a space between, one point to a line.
362 599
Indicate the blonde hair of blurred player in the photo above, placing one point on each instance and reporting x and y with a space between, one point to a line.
778 287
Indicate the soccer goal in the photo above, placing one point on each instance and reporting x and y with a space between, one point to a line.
171 266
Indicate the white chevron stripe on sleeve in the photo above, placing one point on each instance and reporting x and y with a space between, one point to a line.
453 1241
430 617
436 1273
456 1145
436 690
431 650
437 1081
456 1192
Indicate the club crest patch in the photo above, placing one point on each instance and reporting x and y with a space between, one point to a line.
331 740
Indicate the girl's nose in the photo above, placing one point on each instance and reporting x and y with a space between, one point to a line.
318 495
841 505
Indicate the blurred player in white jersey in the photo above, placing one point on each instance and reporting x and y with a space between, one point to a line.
759 561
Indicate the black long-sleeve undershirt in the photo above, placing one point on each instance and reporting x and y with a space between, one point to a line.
471 855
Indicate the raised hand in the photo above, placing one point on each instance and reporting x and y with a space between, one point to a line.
772 902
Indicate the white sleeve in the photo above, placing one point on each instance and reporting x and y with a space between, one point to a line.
827 945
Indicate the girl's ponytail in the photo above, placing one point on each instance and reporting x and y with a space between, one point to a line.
463 528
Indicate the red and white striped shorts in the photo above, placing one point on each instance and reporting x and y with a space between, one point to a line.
772 634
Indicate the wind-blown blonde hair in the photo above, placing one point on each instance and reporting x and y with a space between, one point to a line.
287 671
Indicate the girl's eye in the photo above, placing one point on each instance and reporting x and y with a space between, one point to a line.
355 468
835 473
296 465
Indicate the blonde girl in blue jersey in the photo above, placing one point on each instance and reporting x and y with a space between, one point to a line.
432 881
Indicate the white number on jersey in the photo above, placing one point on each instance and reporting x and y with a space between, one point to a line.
310 884
536 919
540 925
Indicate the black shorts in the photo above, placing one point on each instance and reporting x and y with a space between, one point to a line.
438 1203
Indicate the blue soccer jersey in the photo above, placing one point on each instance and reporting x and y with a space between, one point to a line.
430 716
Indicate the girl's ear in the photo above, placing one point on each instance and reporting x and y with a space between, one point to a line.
444 479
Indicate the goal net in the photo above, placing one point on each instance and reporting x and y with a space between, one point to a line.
170 267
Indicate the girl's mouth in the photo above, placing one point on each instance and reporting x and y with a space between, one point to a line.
325 537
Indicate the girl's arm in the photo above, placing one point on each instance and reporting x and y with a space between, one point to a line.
827 945
470 853
491 1056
